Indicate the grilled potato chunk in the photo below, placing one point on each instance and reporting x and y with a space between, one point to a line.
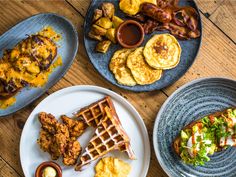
98 30
97 14
108 9
103 46
104 22
116 21
111 35
95 36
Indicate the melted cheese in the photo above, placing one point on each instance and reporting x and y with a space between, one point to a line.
49 32
7 102
17 68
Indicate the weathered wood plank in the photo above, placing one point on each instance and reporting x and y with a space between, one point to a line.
209 6
224 18
81 5
6 170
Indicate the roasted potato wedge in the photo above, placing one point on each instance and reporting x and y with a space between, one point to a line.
116 21
95 36
104 22
97 14
98 30
111 35
103 46
108 9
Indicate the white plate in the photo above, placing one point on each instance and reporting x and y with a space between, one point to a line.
69 100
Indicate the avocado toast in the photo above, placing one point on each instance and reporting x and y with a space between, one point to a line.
205 136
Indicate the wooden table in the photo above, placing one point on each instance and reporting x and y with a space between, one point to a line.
216 58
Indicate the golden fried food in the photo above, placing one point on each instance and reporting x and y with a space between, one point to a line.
97 30
119 69
141 71
59 142
103 46
113 167
97 14
111 35
116 21
60 139
132 7
45 140
162 51
48 122
76 127
29 63
95 36
21 65
72 152
104 22
108 9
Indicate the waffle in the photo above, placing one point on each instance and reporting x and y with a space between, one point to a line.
109 135
93 113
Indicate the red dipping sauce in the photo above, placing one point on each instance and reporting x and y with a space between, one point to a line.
130 34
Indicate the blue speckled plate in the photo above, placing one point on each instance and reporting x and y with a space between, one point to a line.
101 61
68 46
190 102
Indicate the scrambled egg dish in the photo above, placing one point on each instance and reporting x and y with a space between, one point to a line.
112 167
131 7
29 63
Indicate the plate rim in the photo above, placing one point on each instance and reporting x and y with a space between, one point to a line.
106 91
152 89
157 119
45 87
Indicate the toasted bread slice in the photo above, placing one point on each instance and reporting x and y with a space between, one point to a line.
177 142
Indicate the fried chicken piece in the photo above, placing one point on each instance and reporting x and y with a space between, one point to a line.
76 127
48 122
45 140
72 152
60 140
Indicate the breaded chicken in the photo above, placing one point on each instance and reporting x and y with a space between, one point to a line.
76 127
60 139
72 152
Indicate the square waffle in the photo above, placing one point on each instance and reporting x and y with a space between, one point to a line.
93 113
109 135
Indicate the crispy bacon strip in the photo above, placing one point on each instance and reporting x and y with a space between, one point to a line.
167 15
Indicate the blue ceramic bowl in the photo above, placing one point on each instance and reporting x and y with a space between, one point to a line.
67 50
101 61
191 102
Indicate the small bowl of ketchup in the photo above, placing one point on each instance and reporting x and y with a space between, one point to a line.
130 34
48 169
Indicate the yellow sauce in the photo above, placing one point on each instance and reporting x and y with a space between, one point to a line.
17 68
49 32
42 78
7 102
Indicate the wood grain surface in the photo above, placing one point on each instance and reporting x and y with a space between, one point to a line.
216 58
